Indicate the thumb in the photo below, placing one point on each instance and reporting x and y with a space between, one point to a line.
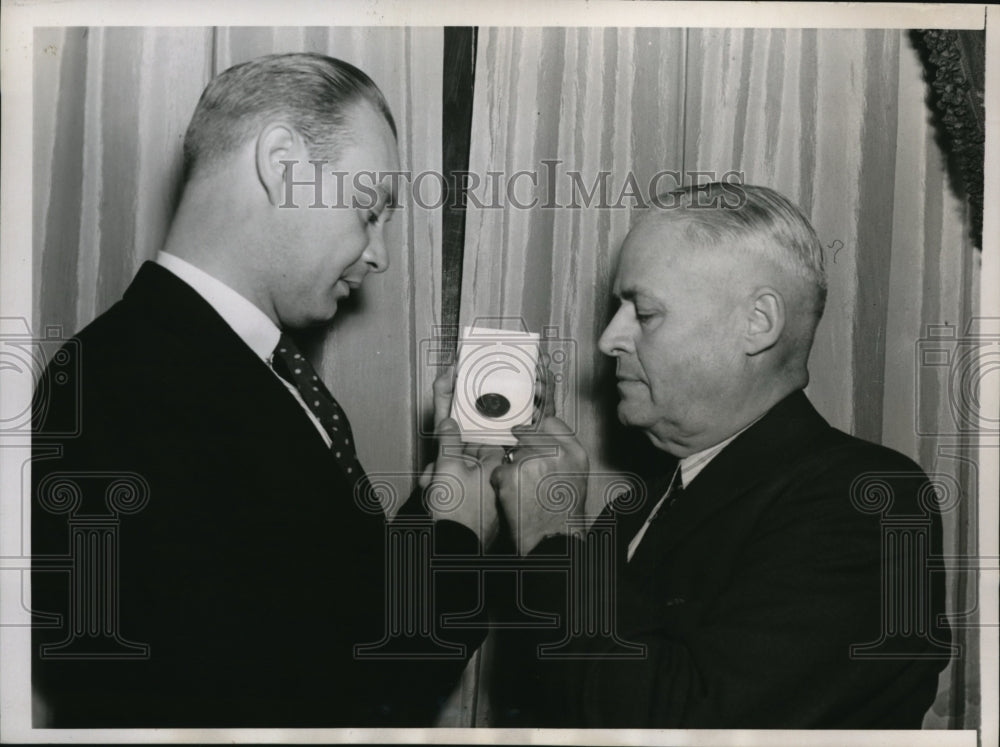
444 383
444 386
425 479
448 433
542 432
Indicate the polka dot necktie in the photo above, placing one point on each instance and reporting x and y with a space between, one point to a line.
292 366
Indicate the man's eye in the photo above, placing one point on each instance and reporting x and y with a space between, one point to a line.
372 217
643 317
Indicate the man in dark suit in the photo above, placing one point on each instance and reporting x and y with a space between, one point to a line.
774 574
248 563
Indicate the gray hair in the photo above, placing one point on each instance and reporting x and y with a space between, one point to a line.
758 219
315 92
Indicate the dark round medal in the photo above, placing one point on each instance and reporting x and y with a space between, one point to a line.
493 405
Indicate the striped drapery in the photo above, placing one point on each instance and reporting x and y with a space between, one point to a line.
835 119
111 108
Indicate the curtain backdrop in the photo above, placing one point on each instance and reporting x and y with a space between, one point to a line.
834 119
111 107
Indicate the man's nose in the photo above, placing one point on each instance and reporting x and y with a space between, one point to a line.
613 340
376 256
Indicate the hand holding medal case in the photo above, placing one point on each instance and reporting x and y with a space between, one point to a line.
495 384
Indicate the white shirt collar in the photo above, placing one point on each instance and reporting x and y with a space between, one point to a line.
252 325
693 464
690 466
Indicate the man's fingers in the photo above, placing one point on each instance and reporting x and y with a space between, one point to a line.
444 383
551 437
450 444
542 432
499 476
425 478
448 433
444 386
489 453
545 386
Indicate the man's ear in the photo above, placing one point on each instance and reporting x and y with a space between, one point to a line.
279 147
766 320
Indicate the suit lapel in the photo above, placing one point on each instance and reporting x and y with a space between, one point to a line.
220 355
630 511
786 431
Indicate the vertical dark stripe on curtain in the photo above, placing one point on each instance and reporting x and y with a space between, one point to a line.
875 211
119 163
458 84
809 95
213 56
743 104
457 88
685 68
62 235
931 309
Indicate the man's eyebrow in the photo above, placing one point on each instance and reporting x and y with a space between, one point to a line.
636 294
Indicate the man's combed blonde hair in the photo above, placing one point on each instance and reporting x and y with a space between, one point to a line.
314 92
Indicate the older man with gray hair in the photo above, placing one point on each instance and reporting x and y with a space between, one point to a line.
748 584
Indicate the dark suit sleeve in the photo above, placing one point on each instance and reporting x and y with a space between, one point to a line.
251 586
771 649
253 576
435 616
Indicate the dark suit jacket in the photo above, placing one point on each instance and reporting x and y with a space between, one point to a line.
251 572
747 595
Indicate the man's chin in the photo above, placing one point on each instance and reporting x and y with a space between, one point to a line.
628 415
311 321
632 419
324 313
